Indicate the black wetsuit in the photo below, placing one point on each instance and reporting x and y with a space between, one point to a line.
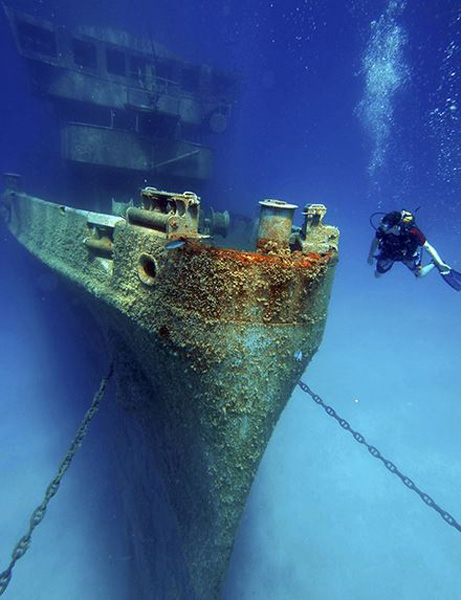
398 241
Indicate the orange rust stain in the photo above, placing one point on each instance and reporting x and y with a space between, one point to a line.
293 260
232 285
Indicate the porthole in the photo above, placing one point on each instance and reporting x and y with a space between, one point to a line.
147 269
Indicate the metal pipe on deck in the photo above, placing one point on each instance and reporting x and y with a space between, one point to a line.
100 246
148 218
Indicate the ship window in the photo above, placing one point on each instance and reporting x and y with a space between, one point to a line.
37 39
115 62
84 54
190 79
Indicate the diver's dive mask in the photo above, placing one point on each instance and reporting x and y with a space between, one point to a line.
407 218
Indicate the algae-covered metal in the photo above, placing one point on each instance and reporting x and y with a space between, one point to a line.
208 345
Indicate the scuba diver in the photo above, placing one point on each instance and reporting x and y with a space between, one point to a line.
398 239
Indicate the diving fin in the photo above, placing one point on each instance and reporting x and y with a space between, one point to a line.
453 278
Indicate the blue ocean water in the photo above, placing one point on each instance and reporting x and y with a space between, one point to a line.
354 104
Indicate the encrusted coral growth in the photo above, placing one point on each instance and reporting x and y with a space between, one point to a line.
213 342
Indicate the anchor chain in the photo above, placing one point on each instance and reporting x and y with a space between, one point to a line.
377 454
37 516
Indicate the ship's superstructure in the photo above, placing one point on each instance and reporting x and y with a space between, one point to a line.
129 110
207 342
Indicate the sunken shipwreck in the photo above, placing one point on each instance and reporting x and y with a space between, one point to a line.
207 341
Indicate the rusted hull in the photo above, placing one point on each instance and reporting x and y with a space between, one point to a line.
207 354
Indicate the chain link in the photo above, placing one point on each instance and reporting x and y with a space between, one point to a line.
39 513
377 454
